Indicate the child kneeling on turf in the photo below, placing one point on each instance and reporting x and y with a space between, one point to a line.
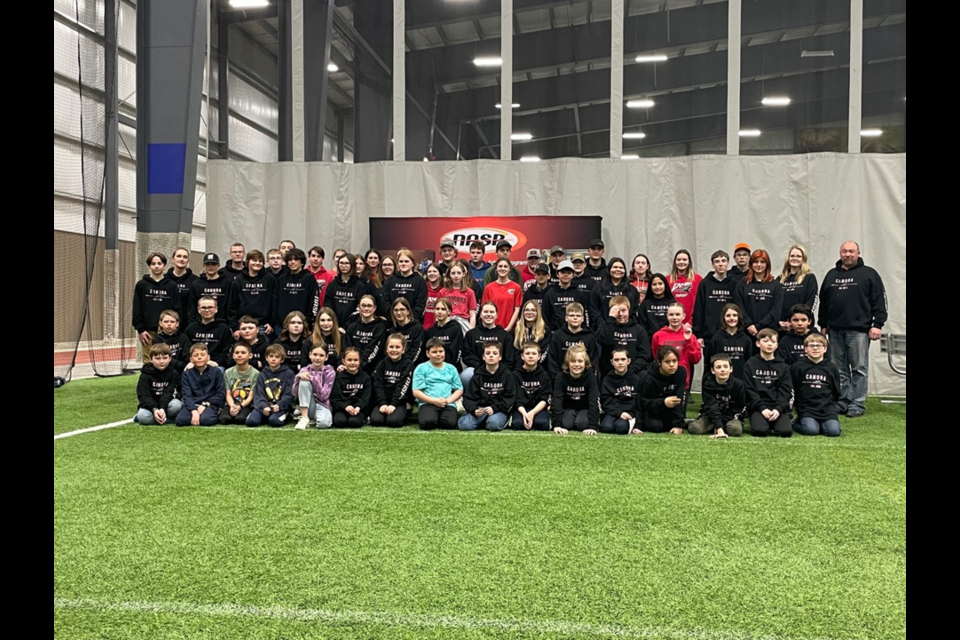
662 394
272 395
391 385
724 401
240 379
533 391
576 395
203 390
618 396
157 388
312 387
769 389
437 387
351 393
816 388
490 396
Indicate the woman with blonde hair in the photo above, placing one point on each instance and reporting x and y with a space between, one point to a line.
799 283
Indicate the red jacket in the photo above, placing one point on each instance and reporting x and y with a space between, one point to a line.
323 277
685 292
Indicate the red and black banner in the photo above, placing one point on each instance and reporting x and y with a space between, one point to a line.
523 232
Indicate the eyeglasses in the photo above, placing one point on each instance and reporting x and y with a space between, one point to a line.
816 345
208 308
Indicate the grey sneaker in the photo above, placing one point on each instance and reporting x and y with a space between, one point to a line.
302 423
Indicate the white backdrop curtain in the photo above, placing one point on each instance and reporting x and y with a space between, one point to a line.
654 206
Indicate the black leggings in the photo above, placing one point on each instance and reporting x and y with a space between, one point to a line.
395 420
761 427
613 424
541 421
432 417
343 420
574 420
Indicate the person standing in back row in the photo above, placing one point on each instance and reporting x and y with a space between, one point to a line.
853 310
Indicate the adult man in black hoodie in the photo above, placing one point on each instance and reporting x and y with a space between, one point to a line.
853 310
235 265
211 283
296 290
716 290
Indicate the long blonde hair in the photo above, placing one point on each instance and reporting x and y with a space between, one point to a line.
804 267
521 335
335 332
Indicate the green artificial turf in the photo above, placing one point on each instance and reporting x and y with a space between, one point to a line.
88 403
252 533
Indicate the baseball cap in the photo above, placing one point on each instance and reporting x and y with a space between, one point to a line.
566 264
211 258
448 242
533 253
504 243
596 242
578 257
741 245
557 249
543 266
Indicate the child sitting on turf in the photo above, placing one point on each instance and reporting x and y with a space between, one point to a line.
618 395
391 385
792 347
724 401
490 396
680 336
576 396
169 333
272 395
250 335
437 387
351 393
203 390
157 387
769 389
533 391
662 394
240 379
312 388
816 387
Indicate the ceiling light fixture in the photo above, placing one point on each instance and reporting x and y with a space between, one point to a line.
749 133
488 62
332 68
530 159
634 135
657 57
521 137
775 101
645 103
871 133
515 105
249 4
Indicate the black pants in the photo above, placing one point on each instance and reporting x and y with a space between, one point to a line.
395 420
614 424
761 427
240 418
343 420
574 420
665 419
432 417
541 421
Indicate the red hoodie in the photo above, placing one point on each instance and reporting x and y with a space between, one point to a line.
684 289
690 352
323 277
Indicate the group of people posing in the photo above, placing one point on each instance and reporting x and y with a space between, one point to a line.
570 342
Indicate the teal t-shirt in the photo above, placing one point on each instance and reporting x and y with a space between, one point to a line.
436 382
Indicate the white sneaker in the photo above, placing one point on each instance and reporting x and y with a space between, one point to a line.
302 423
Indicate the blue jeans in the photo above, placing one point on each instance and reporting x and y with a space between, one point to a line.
813 427
470 422
465 377
850 351
145 416
317 412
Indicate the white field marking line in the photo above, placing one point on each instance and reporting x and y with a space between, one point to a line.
101 427
408 620
796 441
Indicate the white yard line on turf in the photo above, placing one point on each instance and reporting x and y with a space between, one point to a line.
409 620
101 427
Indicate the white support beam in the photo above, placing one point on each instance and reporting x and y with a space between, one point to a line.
399 80
299 140
616 78
506 79
733 77
856 76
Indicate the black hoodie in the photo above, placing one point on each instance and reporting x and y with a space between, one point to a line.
562 340
343 298
619 394
652 314
554 305
816 389
413 332
854 299
202 287
475 340
738 346
351 390
712 295
412 287
452 337
723 402
392 382
769 385
179 345
150 299
576 394
230 273
598 274
543 343
252 296
790 349
535 293
656 387
605 291
297 292
762 303
369 338
294 352
183 284
496 390
533 387
155 388
797 293
216 335
630 336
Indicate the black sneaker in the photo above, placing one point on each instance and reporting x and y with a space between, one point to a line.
855 413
